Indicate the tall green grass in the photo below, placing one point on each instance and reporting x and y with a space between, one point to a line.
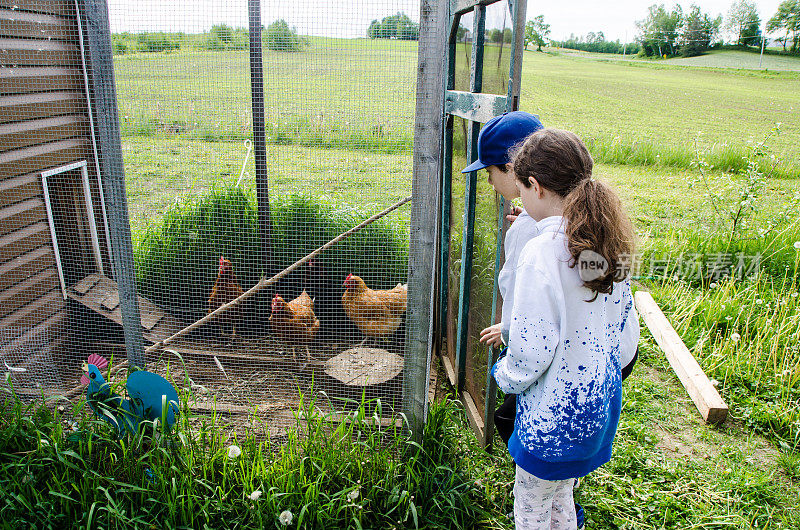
350 474
725 157
746 335
296 130
176 260
698 258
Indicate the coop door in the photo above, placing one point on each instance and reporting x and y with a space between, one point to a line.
73 229
482 83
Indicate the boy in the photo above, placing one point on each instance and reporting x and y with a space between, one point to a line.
497 137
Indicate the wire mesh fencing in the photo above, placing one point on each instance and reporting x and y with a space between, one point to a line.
210 212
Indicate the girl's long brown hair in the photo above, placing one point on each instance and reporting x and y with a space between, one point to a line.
595 219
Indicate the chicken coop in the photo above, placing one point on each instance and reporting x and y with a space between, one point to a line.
260 201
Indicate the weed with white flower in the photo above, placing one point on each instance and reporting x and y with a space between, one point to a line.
286 517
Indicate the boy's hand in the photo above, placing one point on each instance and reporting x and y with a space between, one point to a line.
515 211
492 336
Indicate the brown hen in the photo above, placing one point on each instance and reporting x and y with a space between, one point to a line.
294 323
226 289
377 314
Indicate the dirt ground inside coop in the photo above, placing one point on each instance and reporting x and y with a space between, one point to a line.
257 385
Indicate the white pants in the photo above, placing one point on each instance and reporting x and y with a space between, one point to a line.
543 504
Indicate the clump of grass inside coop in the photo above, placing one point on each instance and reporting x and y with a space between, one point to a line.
176 260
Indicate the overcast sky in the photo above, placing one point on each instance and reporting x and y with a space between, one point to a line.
342 18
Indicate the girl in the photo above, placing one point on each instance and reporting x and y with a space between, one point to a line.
573 326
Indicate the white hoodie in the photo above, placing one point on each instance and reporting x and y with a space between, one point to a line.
564 361
522 230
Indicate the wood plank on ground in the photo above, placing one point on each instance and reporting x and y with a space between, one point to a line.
694 380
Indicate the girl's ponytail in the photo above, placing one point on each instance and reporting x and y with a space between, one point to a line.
595 219
596 223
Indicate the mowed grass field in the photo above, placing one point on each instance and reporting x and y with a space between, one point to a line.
359 94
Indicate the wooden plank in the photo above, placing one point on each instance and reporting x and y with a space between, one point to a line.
21 214
41 105
338 418
39 335
449 370
111 301
85 284
100 294
21 267
39 79
151 313
19 189
28 52
100 66
225 408
428 134
27 291
35 312
473 416
21 241
40 157
55 7
694 380
240 359
20 134
475 107
16 23
459 7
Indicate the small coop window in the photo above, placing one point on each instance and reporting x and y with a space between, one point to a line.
68 199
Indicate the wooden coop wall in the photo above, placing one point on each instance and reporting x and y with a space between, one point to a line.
44 124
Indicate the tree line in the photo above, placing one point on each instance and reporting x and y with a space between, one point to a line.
278 36
675 32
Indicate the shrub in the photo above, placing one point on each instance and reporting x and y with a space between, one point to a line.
281 38
224 37
158 42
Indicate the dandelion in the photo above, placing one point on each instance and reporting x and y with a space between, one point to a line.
234 451
353 495
713 285
286 517
714 383
735 337
797 245
255 495
759 301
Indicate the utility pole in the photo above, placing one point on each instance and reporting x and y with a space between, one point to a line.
625 44
763 41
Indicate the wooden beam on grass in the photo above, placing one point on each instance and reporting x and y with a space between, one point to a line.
694 380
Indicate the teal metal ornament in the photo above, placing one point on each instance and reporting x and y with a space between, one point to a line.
150 398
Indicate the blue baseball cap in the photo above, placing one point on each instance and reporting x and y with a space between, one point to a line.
499 135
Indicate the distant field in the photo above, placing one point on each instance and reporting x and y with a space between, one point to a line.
733 59
739 59
642 102
359 94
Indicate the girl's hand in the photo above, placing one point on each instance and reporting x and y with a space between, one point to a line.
492 336
515 211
